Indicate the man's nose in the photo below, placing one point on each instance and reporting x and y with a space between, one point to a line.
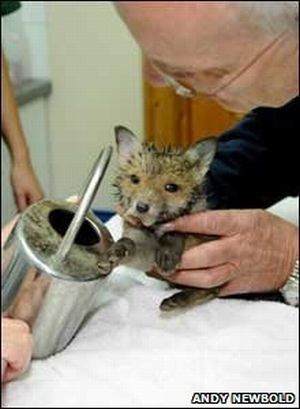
152 75
142 207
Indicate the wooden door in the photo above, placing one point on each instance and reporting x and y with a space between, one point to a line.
172 120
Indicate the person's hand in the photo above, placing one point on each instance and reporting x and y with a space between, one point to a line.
16 341
6 230
26 187
256 251
17 344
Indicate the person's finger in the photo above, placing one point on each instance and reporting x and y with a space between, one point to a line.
206 278
19 365
35 197
21 201
215 222
209 254
16 347
245 284
30 199
6 230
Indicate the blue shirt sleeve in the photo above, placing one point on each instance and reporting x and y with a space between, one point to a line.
256 161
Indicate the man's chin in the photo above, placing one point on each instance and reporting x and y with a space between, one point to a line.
236 107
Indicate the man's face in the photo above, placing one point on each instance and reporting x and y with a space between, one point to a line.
209 49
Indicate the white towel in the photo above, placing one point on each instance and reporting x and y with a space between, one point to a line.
129 354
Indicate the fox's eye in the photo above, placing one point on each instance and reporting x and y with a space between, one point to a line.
134 179
171 187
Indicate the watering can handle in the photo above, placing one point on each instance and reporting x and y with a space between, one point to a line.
85 201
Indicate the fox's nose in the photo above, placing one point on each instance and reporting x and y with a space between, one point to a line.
142 207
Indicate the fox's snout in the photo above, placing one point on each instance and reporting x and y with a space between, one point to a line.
142 207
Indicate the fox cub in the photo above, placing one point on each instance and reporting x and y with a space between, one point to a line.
153 187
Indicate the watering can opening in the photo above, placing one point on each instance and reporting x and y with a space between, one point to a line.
60 220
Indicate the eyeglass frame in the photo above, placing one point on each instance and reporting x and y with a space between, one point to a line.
189 92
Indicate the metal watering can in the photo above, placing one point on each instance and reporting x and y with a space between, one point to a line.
50 276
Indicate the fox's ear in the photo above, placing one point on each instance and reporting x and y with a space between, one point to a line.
127 144
202 153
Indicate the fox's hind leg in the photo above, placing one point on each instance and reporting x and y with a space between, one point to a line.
188 298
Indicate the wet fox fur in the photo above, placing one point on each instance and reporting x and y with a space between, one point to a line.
153 187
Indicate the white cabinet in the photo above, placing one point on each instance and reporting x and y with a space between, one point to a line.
34 120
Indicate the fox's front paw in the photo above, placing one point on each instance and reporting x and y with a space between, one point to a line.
115 255
167 260
169 252
105 264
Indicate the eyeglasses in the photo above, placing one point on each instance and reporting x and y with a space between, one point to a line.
185 91
246 68
179 88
